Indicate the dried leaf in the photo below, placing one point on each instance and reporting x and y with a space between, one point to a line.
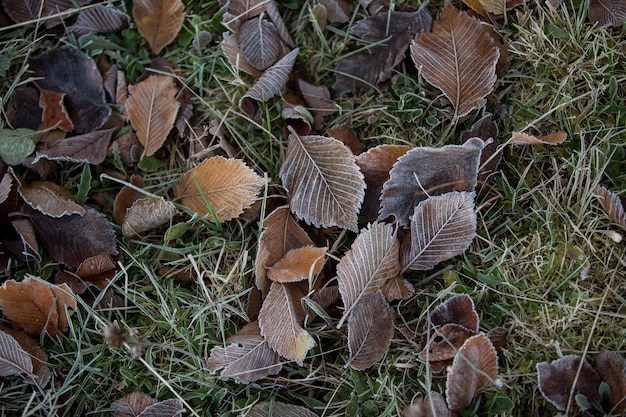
519 138
370 330
97 270
444 342
492 8
54 112
295 114
371 261
612 204
168 408
126 197
347 135
74 73
473 369
26 232
132 404
611 368
607 12
280 318
31 11
99 19
147 214
51 199
246 358
456 310
433 405
36 306
158 21
459 58
233 52
219 188
90 148
16 145
9 187
324 183
490 156
271 83
298 264
498 338
336 10
152 109
23 109
260 43
556 380
397 288
393 31
278 409
318 101
13 359
40 374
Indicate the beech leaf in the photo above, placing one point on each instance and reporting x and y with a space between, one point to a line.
278 409
246 357
336 10
158 21
441 227
90 148
51 199
260 43
371 261
16 145
612 204
13 359
146 214
424 172
235 56
607 12
99 19
152 109
317 98
370 330
324 184
219 188
298 264
611 368
458 57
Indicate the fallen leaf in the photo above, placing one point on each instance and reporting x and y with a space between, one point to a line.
607 12
260 43
492 8
16 145
158 21
219 188
318 101
23 109
40 374
612 204
247 9
31 11
473 369
51 199
54 112
498 338
99 19
36 306
371 261
444 342
137 404
456 310
152 109
278 409
246 357
370 330
26 232
280 318
13 359
433 405
90 148
98 270
126 197
611 368
459 58
324 184
234 54
556 380
336 10
295 114
146 214
298 264
426 172
397 288
347 135
519 138
390 32
490 156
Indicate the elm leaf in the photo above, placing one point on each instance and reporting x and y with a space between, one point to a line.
13 359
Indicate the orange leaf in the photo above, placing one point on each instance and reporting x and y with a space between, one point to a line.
54 112
158 21
520 138
298 265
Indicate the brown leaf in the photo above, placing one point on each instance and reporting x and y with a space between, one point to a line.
23 109
219 188
278 409
97 270
459 58
394 31
128 147
370 330
74 73
556 380
36 306
271 83
336 10
282 234
519 138
397 288
433 405
607 12
246 357
473 369
318 101
90 148
51 199
132 404
295 114
158 21
146 214
126 197
426 172
456 310
152 109
31 11
324 184
493 8
13 359
99 19
498 337
280 318
444 342
40 374
612 204
26 232
298 264
490 156
371 261
233 52
611 368
347 135
260 43
54 112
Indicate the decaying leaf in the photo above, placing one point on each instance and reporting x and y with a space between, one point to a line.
36 306
371 261
433 405
158 21
152 109
519 138
324 183
89 147
51 199
397 288
16 145
219 188
40 374
246 357
473 369
444 342
280 321
298 264
612 204
137 404
146 214
490 156
278 409
556 380
611 368
459 58
607 12
370 330
457 310
99 19
31 11
393 31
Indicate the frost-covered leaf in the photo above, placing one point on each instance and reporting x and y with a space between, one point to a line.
612 204
459 310
146 214
611 368
607 12
318 101
520 138
235 56
99 19
158 21
336 10
13 359
298 264
441 227
132 405
458 57
397 288
324 183
260 43
444 342
433 405
490 156
51 199
40 374
278 409
16 145
89 147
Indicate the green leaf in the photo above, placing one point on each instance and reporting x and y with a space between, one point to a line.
5 63
85 185
16 145
176 231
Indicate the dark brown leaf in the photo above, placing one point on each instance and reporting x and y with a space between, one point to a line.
233 52
607 12
457 310
158 21
9 186
336 10
318 101
23 109
611 368
397 288
31 11
347 135
498 337
132 404
490 156
40 375
444 342
99 19
90 148
51 199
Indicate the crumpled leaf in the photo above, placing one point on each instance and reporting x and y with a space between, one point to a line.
219 188
612 204
607 12
324 184
520 138
441 227
36 306
99 19
557 378
371 261
298 264
433 405
278 409
370 330
279 321
13 359
473 369
260 43
158 21
246 357
146 214
51 199
40 374
424 172
458 57
611 368
137 404
16 145
394 31
152 109
89 147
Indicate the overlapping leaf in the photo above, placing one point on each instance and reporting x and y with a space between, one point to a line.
433 405
99 19
298 264
611 368
51 199
16 145
89 147
146 214
40 373
158 21
137 404
260 43
607 12
13 359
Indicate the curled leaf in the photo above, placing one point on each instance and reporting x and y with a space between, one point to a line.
520 138
457 310
40 374
444 342
13 359
146 214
